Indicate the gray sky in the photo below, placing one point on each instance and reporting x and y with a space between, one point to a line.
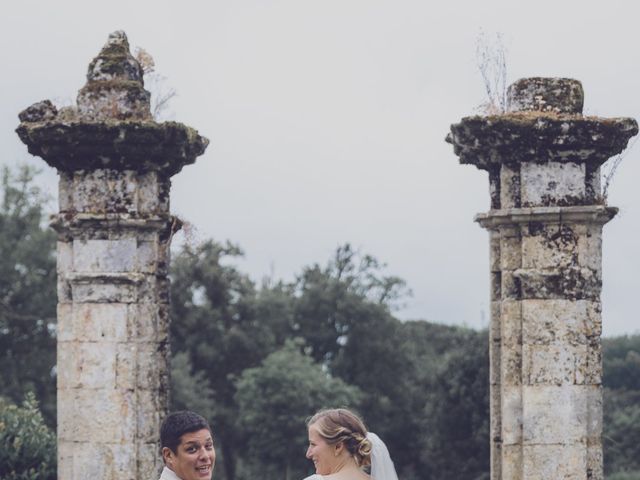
327 121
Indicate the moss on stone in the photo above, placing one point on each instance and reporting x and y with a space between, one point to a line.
119 145
539 137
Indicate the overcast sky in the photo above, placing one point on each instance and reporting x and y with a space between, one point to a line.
327 121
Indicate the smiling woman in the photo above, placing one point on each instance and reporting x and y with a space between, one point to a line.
340 448
187 447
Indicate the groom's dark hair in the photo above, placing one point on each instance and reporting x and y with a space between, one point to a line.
177 424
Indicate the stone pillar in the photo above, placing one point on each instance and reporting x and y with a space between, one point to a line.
545 225
114 229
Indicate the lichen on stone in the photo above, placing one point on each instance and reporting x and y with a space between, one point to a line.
111 126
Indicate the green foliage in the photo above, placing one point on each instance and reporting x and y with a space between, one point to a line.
225 328
456 421
621 428
221 326
329 299
274 400
621 362
625 476
27 446
190 390
27 293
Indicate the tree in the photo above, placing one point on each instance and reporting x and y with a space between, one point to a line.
27 445
456 414
329 300
274 400
221 326
621 426
27 293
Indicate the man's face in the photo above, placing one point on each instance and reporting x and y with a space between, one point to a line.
194 458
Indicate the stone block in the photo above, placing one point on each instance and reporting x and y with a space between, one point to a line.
150 194
63 290
149 364
511 412
148 416
149 463
150 289
65 192
552 364
509 186
103 291
64 327
144 322
64 257
495 460
147 257
105 255
545 462
162 331
553 246
495 410
96 415
512 465
126 365
66 452
552 183
496 286
590 248
545 322
494 363
554 414
511 286
589 366
105 191
494 322
87 365
511 365
511 323
494 252
510 253
105 461
595 461
594 411
100 322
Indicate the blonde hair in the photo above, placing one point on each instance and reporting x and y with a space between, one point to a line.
339 425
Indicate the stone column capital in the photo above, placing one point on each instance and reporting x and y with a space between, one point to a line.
111 126
542 152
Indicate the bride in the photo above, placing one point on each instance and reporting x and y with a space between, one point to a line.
340 448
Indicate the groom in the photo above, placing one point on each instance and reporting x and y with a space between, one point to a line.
187 447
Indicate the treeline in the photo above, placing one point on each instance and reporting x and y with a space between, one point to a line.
258 359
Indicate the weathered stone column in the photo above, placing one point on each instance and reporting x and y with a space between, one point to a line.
114 230
545 224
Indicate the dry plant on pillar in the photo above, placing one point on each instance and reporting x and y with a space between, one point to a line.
609 170
491 56
161 94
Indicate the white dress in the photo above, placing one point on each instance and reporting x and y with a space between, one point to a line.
314 477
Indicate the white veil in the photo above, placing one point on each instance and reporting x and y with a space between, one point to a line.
381 465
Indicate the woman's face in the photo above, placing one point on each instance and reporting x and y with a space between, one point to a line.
194 458
323 455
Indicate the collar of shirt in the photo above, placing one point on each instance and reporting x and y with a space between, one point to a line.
168 474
